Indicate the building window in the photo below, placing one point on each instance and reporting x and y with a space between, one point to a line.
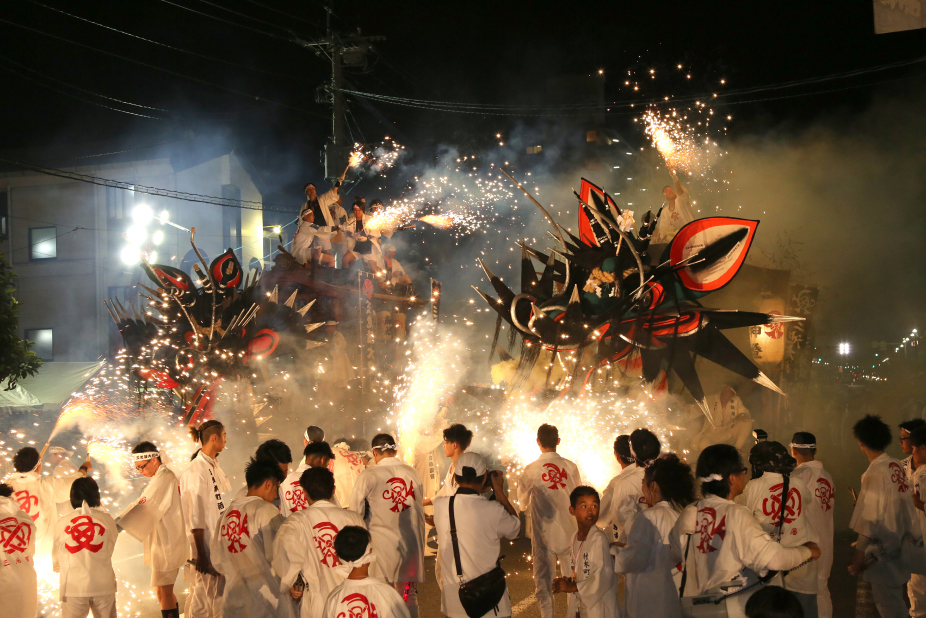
534 149
4 216
43 244
43 342
117 204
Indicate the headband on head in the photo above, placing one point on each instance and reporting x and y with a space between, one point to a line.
386 447
647 463
793 445
145 456
366 558
306 436
711 478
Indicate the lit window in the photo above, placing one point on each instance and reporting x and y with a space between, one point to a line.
43 244
43 342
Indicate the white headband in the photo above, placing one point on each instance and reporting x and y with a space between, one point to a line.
386 447
708 479
367 558
145 456
793 445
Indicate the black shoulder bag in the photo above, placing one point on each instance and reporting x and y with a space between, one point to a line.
480 594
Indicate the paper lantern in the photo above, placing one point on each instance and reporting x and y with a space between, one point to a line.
768 340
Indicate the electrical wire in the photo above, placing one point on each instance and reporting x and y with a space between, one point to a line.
305 21
103 154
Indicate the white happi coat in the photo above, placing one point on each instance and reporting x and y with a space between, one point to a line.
65 472
823 491
346 467
309 236
83 553
18 587
652 575
388 497
242 551
621 500
595 578
305 544
365 598
763 497
449 487
156 520
884 514
325 202
38 495
725 542
201 487
544 488
292 498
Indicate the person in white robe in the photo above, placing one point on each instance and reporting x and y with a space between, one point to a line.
346 466
242 546
916 587
626 496
63 468
202 488
823 489
304 548
730 422
275 451
885 520
82 555
784 516
480 525
18 585
652 576
592 584
389 270
38 495
292 498
543 490
675 213
360 595
311 241
457 439
322 204
720 543
388 497
156 519
624 457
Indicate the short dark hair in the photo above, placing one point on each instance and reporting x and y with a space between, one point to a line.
918 437
723 460
357 204
382 439
622 449
770 457
774 602
459 434
258 471
913 423
644 445
318 449
376 201
146 447
317 483
315 433
804 437
674 478
582 490
872 432
351 543
85 490
25 459
274 450
548 436
5 490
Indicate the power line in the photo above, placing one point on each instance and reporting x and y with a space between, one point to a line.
305 21
103 154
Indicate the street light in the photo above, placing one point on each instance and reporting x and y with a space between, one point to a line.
844 349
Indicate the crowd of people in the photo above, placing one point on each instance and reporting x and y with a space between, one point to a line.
343 534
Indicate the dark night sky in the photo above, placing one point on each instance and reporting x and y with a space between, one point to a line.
499 52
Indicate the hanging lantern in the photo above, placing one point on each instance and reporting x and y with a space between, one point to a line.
768 340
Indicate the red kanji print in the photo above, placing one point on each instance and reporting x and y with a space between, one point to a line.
296 497
556 477
234 529
708 529
357 606
83 531
143 500
352 458
14 535
898 476
772 505
825 494
26 502
399 494
776 330
324 534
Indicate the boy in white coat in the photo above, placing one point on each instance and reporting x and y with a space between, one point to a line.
156 520
388 496
304 545
292 498
18 587
360 595
823 490
593 583
83 555
544 489
242 545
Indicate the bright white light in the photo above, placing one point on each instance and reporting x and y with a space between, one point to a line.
165 216
129 255
277 229
153 257
158 237
142 213
135 235
844 348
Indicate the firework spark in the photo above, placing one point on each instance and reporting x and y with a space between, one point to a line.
675 140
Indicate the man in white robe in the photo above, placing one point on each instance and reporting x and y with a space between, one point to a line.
388 496
83 555
242 546
38 495
916 587
544 489
156 520
292 498
310 237
675 214
346 466
18 586
623 497
361 596
823 490
304 546
202 486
